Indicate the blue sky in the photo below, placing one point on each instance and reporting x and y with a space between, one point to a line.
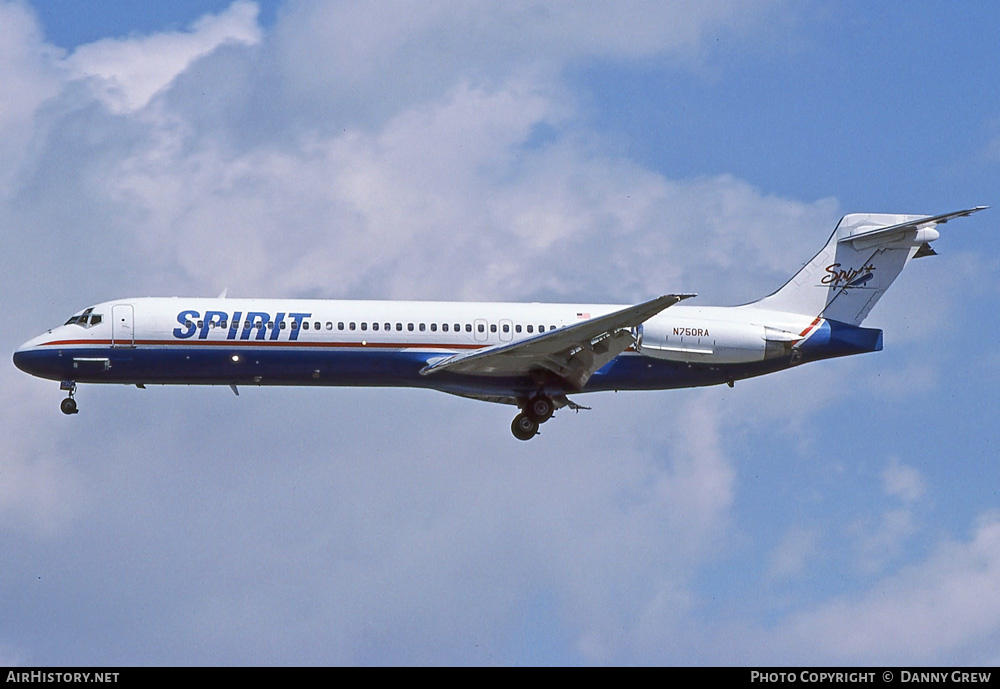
844 512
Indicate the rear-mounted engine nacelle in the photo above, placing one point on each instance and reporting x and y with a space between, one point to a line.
715 342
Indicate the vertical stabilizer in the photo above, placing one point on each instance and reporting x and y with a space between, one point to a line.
866 252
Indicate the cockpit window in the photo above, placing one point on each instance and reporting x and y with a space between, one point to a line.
86 319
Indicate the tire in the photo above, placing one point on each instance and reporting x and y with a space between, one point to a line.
540 409
524 427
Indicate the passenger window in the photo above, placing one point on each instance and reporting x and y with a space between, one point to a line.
374 326
517 328
468 327
423 327
444 327
493 327
482 328
434 327
506 328
409 326
353 325
340 325
399 327
364 326
531 328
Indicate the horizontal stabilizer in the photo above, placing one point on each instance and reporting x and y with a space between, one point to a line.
915 224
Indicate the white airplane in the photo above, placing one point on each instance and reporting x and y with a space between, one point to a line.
528 355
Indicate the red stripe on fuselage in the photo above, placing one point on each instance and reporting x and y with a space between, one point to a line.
264 343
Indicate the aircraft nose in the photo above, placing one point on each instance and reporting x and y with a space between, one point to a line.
29 358
22 358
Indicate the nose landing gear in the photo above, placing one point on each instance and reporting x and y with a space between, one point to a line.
68 405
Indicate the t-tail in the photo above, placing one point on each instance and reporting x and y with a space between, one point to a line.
866 252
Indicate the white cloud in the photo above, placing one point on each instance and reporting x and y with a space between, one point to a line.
29 79
125 73
41 492
664 510
10 657
378 56
790 557
881 543
925 612
902 481
451 198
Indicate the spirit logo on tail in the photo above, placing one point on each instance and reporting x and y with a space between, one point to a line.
851 277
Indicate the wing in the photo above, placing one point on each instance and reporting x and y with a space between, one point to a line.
572 353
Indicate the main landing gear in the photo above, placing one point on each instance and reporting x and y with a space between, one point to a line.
68 405
534 412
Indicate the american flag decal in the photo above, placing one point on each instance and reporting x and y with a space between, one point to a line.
583 315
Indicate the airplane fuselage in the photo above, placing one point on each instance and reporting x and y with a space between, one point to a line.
381 343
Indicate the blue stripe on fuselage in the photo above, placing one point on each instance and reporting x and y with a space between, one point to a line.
276 365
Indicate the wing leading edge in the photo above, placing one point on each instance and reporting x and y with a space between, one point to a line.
572 353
